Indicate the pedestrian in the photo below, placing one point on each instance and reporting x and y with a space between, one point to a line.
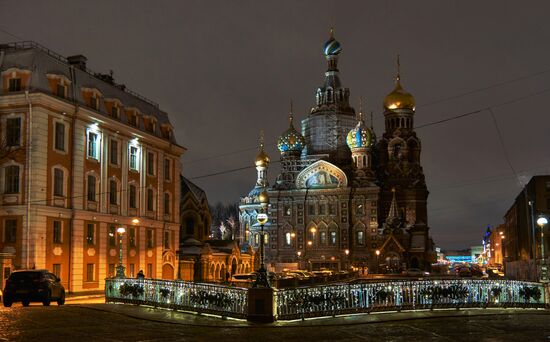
140 275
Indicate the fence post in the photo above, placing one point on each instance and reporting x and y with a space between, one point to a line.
260 305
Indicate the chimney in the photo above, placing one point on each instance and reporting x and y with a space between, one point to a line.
78 61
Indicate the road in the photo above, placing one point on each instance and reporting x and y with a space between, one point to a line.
94 322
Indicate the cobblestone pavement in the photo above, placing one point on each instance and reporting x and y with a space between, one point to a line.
99 322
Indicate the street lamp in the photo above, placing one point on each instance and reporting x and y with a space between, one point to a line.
541 222
377 262
262 279
346 252
120 267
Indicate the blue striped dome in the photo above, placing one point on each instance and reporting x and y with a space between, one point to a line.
360 137
291 141
332 47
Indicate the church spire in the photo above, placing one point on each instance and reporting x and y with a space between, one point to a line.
392 220
290 115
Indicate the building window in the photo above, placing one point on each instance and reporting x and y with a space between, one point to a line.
167 240
360 238
333 238
311 209
166 203
91 188
13 132
287 210
89 272
59 136
113 192
94 102
167 173
10 231
288 239
323 238
256 239
11 179
90 234
322 209
359 209
112 236
57 232
132 196
149 242
331 209
190 226
150 163
132 270
61 91
58 182
14 84
266 238
133 158
115 112
113 150
150 206
93 145
132 237
132 119
56 269
149 271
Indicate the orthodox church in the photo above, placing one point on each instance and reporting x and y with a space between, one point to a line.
343 198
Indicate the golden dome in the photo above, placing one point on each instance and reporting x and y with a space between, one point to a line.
399 99
262 159
263 197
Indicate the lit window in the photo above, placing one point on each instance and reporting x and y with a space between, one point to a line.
58 182
333 238
287 210
93 145
11 179
57 233
288 240
112 236
14 84
323 238
13 132
360 238
59 136
91 188
266 238
134 159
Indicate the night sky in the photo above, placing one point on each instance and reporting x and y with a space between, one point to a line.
224 70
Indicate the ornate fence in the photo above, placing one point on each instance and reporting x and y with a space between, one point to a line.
203 298
331 300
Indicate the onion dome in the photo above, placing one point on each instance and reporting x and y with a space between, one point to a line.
262 159
360 136
291 140
263 197
332 46
399 98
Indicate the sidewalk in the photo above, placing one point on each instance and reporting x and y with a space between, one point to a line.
185 318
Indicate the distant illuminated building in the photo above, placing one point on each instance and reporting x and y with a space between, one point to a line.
342 194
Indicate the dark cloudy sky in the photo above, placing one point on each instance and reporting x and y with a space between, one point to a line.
226 69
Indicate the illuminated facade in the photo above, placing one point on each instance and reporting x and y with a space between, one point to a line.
89 156
342 195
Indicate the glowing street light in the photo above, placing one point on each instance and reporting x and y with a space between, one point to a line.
120 267
377 257
541 222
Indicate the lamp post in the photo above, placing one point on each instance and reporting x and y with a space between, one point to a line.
262 279
541 222
120 267
377 262
346 252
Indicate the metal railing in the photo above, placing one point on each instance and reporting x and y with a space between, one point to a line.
330 300
181 295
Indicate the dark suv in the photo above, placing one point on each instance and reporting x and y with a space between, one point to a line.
33 286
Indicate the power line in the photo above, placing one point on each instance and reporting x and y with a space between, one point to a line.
10 34
452 118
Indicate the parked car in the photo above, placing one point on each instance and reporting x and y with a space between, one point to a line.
33 286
